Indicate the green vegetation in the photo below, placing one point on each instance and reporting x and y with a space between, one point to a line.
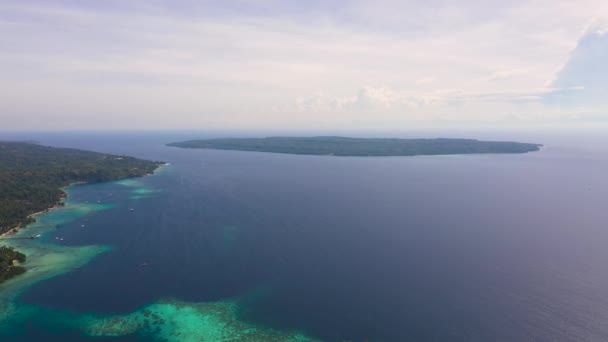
31 178
341 146
8 268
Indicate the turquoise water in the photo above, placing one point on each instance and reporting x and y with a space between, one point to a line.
165 320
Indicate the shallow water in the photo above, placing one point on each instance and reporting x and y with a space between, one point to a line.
468 248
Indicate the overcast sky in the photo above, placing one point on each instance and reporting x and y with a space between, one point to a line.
301 64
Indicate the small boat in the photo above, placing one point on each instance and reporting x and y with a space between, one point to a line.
82 225
131 209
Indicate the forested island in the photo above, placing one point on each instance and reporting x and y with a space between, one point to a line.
31 178
343 146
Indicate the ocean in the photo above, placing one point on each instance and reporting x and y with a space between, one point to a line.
273 247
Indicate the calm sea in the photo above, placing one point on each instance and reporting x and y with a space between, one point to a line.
443 248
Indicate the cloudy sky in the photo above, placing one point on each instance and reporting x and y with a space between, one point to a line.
333 64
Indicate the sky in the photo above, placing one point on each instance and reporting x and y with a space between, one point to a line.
348 64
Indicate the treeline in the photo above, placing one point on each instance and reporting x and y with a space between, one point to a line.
8 269
31 176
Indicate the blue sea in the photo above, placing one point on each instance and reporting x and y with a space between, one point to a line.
259 246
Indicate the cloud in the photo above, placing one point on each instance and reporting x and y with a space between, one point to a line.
587 71
505 73
282 63
425 80
597 26
385 99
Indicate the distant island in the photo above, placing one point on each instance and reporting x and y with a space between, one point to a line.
343 146
31 178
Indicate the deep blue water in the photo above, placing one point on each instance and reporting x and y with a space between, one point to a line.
465 248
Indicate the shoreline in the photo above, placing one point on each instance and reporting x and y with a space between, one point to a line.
57 205
61 200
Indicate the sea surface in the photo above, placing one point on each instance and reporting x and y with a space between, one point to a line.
273 247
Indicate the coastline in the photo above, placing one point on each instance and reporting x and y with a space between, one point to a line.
59 203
